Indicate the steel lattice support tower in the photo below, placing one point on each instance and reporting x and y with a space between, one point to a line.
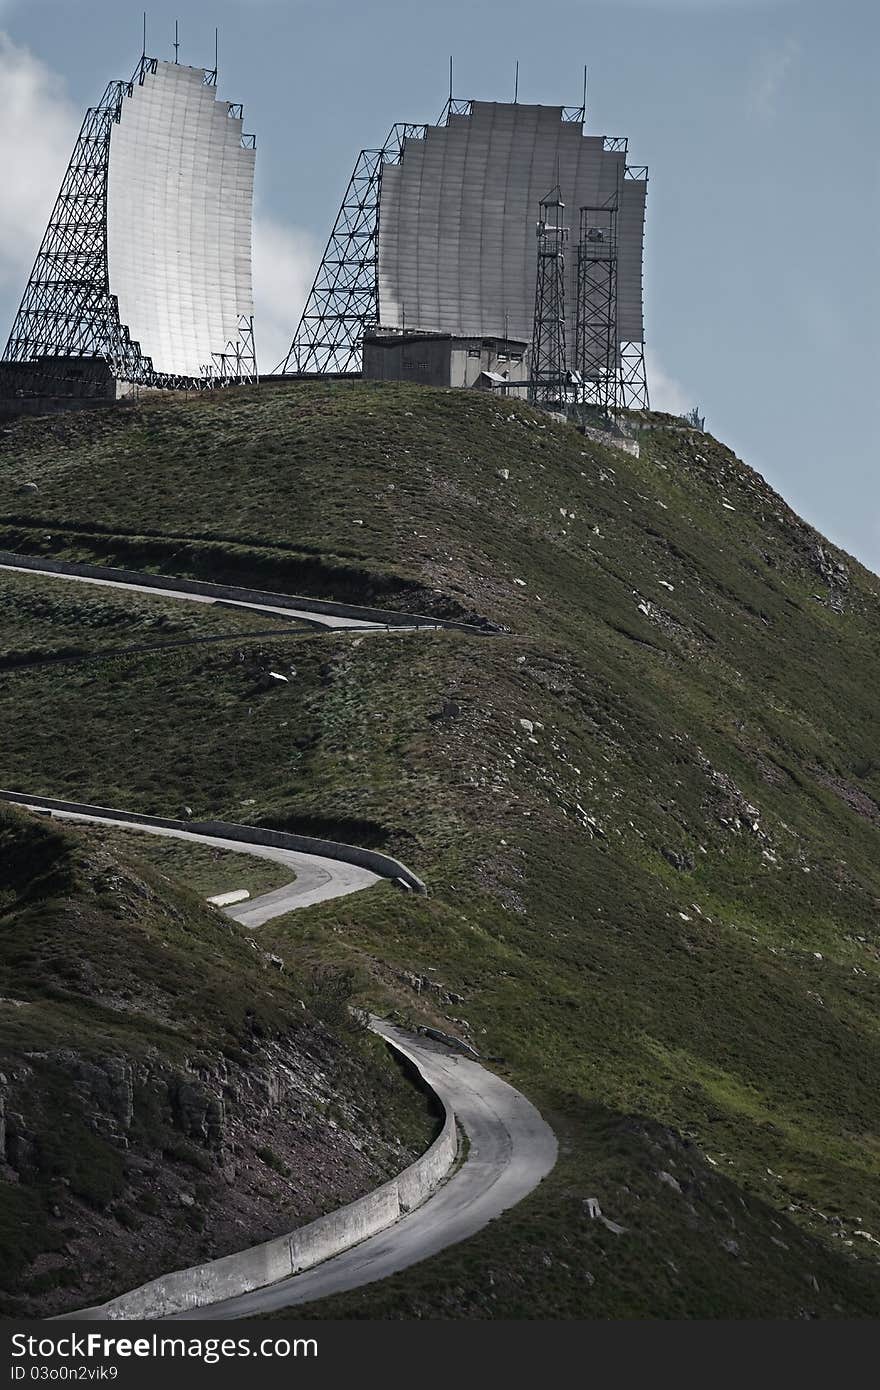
344 299
67 310
548 371
596 350
633 390
633 381
238 362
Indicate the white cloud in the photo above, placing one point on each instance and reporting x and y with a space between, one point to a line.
665 392
37 134
285 261
767 78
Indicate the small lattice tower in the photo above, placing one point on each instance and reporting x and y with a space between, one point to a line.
548 371
596 355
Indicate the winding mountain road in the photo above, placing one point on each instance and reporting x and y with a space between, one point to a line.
510 1149
328 620
510 1146
317 877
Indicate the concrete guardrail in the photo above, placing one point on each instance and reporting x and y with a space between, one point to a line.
299 1250
382 864
232 593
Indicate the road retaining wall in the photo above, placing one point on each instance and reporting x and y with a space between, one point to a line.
232 593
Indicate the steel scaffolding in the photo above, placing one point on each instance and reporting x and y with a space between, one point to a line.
547 376
68 317
344 300
633 391
596 350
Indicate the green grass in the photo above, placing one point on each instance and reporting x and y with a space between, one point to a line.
732 1007
59 618
126 1006
201 868
706 1251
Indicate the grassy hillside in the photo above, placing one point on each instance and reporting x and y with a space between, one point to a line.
167 1093
205 870
46 622
648 814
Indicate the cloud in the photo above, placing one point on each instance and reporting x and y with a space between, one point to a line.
767 78
285 261
665 392
37 134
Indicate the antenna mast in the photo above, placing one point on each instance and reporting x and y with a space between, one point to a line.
595 350
547 375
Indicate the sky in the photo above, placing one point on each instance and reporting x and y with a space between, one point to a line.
758 119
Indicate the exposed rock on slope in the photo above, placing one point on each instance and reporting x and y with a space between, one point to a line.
645 813
166 1095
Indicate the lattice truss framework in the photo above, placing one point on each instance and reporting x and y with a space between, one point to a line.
68 312
611 374
344 300
547 378
632 379
596 351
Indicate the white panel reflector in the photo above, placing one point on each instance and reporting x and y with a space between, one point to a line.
457 217
631 224
179 211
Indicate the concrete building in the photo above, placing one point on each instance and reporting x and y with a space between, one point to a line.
442 359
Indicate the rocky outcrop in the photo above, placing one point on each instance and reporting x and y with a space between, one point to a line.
166 1095
236 1147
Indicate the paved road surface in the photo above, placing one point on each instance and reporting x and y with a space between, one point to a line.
510 1147
317 878
324 619
510 1150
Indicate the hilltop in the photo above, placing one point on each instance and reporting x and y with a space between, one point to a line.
647 811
